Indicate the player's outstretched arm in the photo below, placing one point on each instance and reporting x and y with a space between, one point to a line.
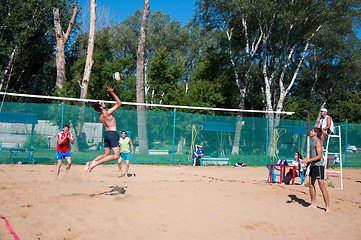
118 104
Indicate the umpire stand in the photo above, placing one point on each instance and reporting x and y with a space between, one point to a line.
337 154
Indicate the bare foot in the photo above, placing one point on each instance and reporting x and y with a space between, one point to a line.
91 166
86 167
312 206
328 210
121 175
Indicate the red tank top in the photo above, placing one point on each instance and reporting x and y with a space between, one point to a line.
64 147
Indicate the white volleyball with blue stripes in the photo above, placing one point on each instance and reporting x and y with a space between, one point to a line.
118 77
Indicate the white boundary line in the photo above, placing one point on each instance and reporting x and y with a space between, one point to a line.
144 104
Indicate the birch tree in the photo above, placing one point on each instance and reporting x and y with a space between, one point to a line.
288 31
11 59
234 17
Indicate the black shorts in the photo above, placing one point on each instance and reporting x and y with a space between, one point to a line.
111 139
317 172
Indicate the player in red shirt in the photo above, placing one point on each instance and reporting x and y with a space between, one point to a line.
62 148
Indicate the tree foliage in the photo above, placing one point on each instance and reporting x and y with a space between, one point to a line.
285 55
26 28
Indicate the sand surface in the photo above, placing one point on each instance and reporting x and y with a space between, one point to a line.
171 202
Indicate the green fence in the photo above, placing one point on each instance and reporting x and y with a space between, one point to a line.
170 136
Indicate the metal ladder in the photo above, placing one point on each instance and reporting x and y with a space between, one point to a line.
337 135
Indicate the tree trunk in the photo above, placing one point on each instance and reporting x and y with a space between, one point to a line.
286 59
142 123
242 90
180 145
237 135
250 49
61 40
87 70
89 58
8 67
60 46
75 147
79 130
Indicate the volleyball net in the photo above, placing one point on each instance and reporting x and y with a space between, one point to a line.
169 136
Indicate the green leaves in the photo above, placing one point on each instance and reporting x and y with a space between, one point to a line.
211 62
164 77
26 26
349 109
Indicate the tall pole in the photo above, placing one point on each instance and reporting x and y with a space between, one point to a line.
175 110
308 134
267 140
345 146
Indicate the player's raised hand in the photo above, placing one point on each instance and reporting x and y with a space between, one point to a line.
110 89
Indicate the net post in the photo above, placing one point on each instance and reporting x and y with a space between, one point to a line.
175 110
308 135
267 139
345 145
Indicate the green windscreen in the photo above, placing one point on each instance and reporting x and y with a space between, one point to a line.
162 137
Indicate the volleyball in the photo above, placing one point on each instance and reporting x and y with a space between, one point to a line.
118 77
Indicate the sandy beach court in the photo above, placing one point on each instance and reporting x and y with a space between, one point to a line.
171 202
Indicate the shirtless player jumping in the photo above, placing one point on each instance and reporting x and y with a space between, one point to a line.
111 136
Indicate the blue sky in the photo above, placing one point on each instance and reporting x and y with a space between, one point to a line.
182 10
